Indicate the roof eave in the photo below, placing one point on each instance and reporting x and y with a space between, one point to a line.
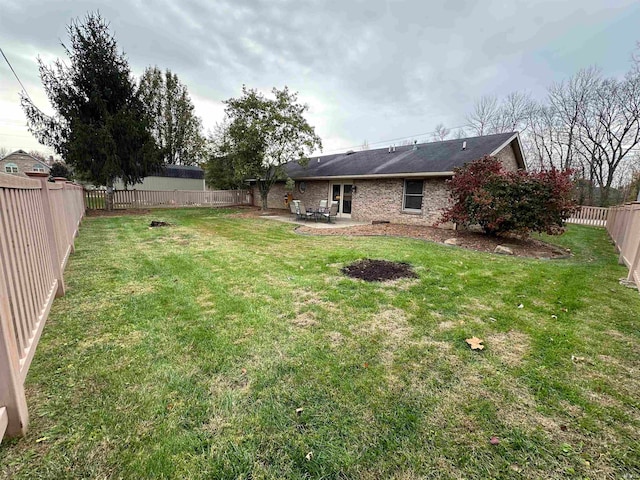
377 176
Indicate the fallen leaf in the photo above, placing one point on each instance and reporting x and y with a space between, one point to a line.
243 371
475 343
492 319
309 456
42 439
555 317
299 411
563 428
494 441
365 365
521 306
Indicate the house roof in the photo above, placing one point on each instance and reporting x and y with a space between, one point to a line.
21 155
180 171
425 159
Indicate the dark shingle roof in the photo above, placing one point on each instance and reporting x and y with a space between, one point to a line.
180 171
435 157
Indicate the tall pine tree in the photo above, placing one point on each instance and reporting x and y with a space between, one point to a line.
100 126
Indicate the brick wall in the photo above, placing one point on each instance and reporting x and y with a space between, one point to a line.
315 191
508 158
382 200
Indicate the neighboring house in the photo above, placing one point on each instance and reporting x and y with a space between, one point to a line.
19 162
403 184
172 177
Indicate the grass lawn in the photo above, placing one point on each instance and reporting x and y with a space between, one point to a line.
184 352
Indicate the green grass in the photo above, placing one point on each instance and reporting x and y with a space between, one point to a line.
184 352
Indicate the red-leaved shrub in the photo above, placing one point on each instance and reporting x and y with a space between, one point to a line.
510 202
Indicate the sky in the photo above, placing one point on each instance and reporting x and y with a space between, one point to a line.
374 70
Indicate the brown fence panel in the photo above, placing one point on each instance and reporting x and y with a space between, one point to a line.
38 222
623 226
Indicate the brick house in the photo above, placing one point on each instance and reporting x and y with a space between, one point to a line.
403 184
19 162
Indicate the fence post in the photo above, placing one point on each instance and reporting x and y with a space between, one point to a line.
634 261
51 233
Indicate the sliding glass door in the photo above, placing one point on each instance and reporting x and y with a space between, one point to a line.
343 194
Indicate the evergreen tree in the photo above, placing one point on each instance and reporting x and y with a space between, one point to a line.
100 126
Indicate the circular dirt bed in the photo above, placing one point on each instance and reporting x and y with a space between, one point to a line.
378 270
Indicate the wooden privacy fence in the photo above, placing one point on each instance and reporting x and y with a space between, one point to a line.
95 199
595 216
623 226
38 223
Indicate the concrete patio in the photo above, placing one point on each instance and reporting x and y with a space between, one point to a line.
335 223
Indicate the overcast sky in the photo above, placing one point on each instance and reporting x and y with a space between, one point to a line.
374 69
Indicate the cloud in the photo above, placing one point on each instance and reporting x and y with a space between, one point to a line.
368 69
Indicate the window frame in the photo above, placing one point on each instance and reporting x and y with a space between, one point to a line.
10 167
38 167
405 195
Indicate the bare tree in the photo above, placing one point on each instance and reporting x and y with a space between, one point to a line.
482 119
4 151
610 128
365 145
512 113
440 133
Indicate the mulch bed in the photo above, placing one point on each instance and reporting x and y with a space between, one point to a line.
158 223
117 213
378 270
465 239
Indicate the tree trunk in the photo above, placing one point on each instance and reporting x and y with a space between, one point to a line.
263 197
108 198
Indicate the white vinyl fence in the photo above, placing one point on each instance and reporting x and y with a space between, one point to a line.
594 216
123 199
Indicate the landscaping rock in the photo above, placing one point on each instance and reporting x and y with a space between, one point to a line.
502 250
451 241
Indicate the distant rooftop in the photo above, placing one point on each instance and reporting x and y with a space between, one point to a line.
180 171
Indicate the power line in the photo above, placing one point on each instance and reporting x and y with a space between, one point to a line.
16 75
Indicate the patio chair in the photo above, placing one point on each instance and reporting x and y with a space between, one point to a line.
301 211
333 212
292 207
323 205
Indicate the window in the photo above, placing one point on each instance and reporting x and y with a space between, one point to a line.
412 196
11 168
38 167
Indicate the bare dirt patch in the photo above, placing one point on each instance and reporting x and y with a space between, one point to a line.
378 270
465 239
